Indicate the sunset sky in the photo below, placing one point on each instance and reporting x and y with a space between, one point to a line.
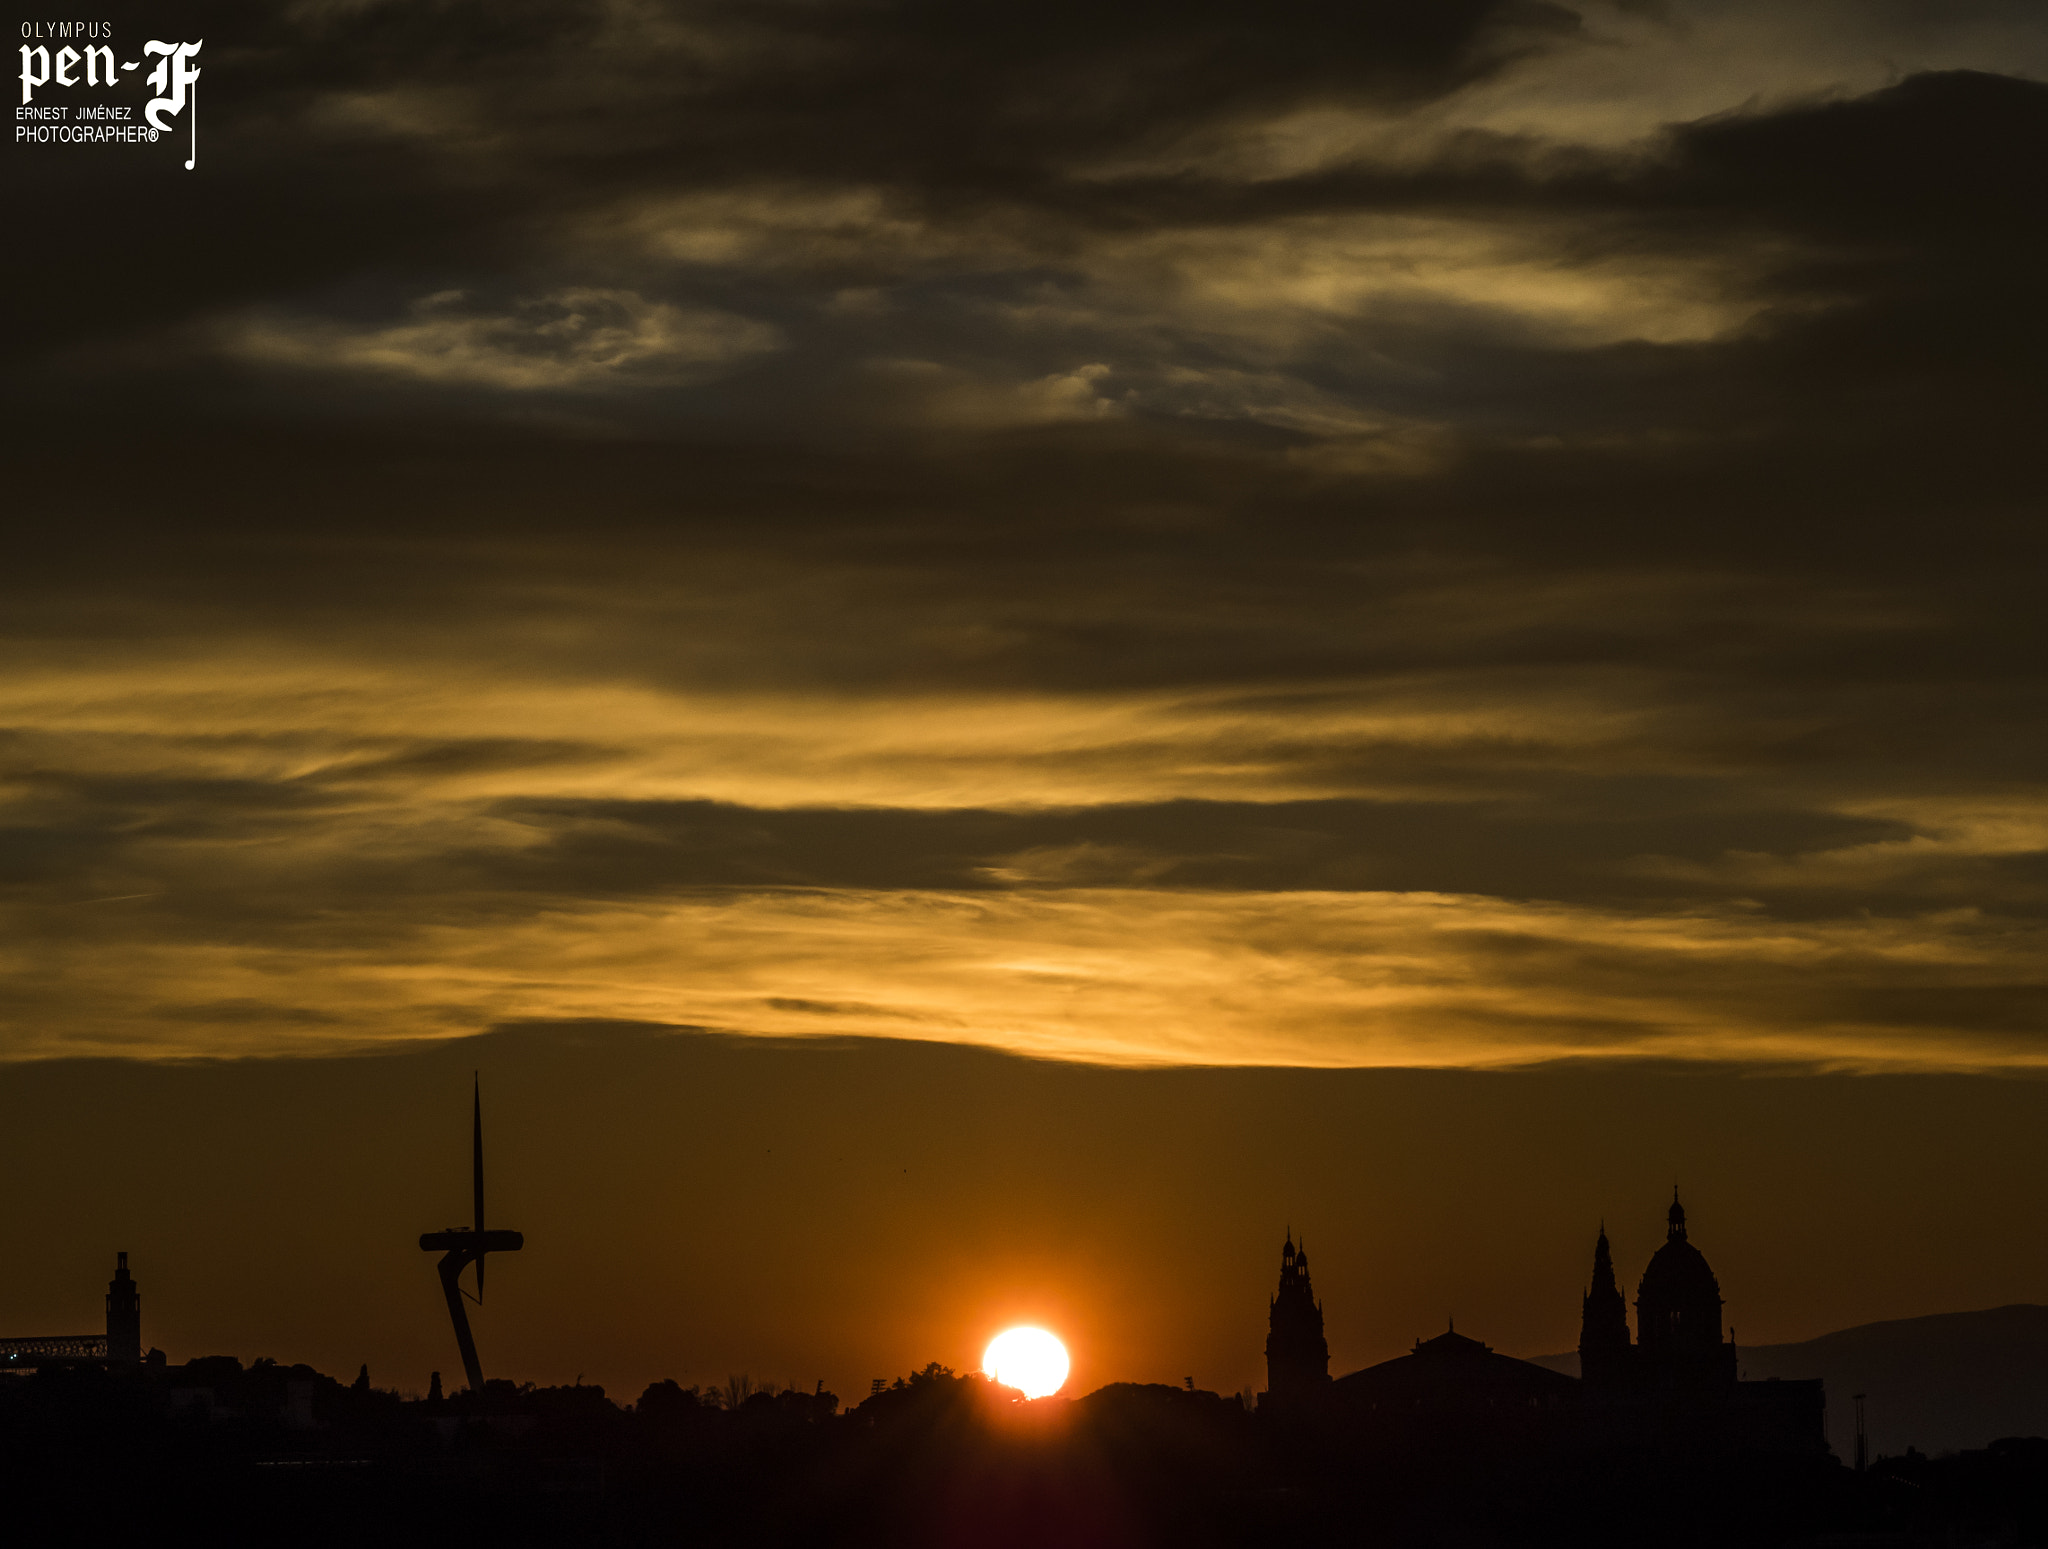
1096 629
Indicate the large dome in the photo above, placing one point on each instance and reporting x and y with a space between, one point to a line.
1678 1274
1678 1312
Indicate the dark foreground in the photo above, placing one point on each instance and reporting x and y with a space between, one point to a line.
215 1453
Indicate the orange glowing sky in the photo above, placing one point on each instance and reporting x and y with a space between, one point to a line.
1464 538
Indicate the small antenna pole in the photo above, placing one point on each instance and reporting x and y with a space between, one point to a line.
477 1165
477 1149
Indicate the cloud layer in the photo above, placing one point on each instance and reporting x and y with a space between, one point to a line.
1345 535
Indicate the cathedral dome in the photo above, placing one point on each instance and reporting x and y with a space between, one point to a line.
1678 1311
1678 1275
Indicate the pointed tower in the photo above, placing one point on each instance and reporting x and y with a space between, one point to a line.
1297 1356
1605 1355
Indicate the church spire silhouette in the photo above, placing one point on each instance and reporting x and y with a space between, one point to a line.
1297 1355
1604 1350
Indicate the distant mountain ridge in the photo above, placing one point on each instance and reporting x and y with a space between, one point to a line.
1942 1383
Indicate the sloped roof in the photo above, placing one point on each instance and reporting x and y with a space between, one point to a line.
1453 1366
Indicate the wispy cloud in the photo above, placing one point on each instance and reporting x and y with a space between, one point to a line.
577 340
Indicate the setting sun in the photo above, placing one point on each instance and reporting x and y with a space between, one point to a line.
1027 1359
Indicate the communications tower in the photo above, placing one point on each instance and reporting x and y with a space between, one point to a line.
459 1248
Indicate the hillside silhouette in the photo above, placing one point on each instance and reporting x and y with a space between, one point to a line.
1941 1383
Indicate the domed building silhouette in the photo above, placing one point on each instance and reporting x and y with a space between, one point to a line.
1679 1341
1678 1314
1679 1378
1675 1387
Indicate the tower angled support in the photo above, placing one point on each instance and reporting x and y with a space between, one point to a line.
459 1249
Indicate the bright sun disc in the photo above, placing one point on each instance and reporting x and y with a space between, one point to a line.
1027 1359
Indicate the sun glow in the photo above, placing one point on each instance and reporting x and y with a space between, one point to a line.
1027 1359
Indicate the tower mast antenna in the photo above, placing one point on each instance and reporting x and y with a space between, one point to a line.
476 1160
459 1249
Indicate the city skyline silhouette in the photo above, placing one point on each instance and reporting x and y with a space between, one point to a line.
1222 681
1906 1400
1458 1437
817 1294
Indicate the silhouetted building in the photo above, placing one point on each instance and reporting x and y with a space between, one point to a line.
1679 1340
1678 1383
120 1345
1674 1389
1605 1355
124 1314
1457 1388
1297 1356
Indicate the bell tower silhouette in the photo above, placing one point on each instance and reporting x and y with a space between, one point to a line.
1297 1355
124 1314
